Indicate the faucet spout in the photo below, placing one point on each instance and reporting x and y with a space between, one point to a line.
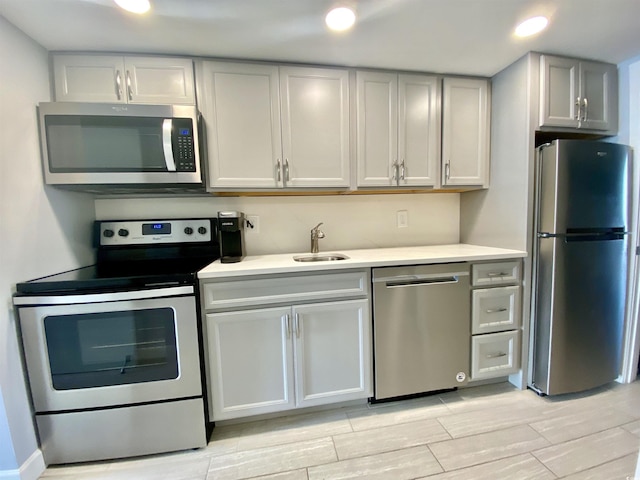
316 234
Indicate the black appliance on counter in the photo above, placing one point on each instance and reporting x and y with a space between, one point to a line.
114 350
231 225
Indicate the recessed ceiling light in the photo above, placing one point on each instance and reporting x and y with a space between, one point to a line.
532 26
340 19
134 6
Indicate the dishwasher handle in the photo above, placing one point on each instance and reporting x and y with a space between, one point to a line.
421 280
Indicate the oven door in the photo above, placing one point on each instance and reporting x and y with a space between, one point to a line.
108 353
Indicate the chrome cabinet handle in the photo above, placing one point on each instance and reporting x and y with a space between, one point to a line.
296 327
402 170
447 170
586 109
496 310
288 320
394 166
129 89
278 171
118 84
495 274
286 169
496 355
578 105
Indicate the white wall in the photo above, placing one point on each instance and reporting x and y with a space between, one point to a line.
629 74
498 217
42 230
350 221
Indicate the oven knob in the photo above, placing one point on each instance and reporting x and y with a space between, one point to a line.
108 233
188 230
202 230
123 232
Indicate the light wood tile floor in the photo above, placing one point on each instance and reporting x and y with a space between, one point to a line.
488 432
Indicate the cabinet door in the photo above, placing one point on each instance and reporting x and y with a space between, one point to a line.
159 80
333 352
315 126
240 105
559 102
418 130
465 131
250 362
89 78
377 128
598 87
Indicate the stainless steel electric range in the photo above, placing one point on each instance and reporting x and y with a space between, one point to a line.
113 351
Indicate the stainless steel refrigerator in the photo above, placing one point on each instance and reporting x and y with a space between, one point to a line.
580 260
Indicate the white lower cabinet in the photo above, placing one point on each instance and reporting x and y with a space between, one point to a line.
273 359
495 354
495 319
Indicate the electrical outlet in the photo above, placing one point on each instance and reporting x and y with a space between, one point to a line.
402 218
252 224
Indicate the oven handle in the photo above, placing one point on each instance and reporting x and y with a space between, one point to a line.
105 297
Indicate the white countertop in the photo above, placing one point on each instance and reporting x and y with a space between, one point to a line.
376 257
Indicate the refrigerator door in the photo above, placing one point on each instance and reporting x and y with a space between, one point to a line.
583 186
579 312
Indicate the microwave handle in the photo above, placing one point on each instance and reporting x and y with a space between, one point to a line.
167 128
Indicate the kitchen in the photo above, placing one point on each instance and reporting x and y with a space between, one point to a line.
61 218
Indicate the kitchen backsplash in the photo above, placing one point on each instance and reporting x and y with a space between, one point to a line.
350 221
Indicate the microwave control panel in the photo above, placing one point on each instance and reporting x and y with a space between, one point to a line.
182 140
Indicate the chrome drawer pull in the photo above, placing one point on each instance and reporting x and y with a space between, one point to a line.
496 355
496 310
501 274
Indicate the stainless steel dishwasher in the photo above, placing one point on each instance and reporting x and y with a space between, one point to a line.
421 328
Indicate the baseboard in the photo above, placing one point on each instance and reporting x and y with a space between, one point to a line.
31 469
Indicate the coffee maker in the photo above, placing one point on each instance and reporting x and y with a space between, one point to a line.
231 232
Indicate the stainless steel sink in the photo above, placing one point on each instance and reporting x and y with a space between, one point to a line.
330 257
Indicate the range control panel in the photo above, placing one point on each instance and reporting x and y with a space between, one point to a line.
146 232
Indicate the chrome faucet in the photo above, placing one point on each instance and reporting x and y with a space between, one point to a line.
316 233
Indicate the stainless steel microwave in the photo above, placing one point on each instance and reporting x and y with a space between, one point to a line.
94 145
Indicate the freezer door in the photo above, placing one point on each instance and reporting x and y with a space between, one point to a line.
583 185
579 312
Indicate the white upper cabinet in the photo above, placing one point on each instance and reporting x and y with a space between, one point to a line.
117 79
578 94
275 127
465 132
315 126
397 129
240 104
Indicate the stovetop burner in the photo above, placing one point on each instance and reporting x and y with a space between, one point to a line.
137 254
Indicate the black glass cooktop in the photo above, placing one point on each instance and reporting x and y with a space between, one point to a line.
117 276
128 257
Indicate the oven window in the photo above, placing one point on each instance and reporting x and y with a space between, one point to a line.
113 348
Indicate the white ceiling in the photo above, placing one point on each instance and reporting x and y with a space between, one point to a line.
442 36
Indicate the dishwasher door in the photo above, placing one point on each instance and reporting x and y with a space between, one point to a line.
422 328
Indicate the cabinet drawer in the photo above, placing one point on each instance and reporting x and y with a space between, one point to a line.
269 290
495 309
495 273
495 354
